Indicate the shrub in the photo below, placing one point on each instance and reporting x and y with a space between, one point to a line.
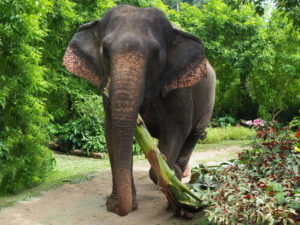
224 121
86 130
84 133
260 187
24 157
295 123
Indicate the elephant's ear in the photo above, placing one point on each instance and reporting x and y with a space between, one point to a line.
186 62
82 55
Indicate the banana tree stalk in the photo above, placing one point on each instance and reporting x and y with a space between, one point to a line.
182 200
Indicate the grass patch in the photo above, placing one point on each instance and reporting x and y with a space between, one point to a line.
219 134
68 169
73 169
221 144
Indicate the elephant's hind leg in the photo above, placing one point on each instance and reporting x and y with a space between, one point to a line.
197 133
187 150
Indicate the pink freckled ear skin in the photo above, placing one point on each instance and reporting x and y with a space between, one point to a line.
76 65
193 74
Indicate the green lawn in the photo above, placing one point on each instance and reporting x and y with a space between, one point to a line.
221 144
68 169
220 134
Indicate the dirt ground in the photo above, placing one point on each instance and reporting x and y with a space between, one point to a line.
84 203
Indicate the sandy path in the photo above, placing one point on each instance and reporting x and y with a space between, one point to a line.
84 203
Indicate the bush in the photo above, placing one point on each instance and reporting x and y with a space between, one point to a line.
295 123
24 157
224 121
260 187
218 134
86 130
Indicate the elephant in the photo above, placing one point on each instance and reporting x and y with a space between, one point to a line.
154 69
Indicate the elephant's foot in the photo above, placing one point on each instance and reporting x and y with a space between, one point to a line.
112 204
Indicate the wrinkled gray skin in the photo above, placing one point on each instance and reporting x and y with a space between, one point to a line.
141 53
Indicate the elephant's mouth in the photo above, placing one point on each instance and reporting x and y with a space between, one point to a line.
75 63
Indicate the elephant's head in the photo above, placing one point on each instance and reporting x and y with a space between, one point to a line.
144 56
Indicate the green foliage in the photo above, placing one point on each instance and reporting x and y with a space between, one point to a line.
288 8
86 132
224 121
172 3
24 157
295 123
275 81
144 3
260 187
136 148
83 133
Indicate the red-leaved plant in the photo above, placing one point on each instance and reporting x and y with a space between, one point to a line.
261 186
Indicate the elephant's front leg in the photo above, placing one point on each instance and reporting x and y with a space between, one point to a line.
112 201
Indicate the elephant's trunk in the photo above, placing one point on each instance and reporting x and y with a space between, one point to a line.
126 88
